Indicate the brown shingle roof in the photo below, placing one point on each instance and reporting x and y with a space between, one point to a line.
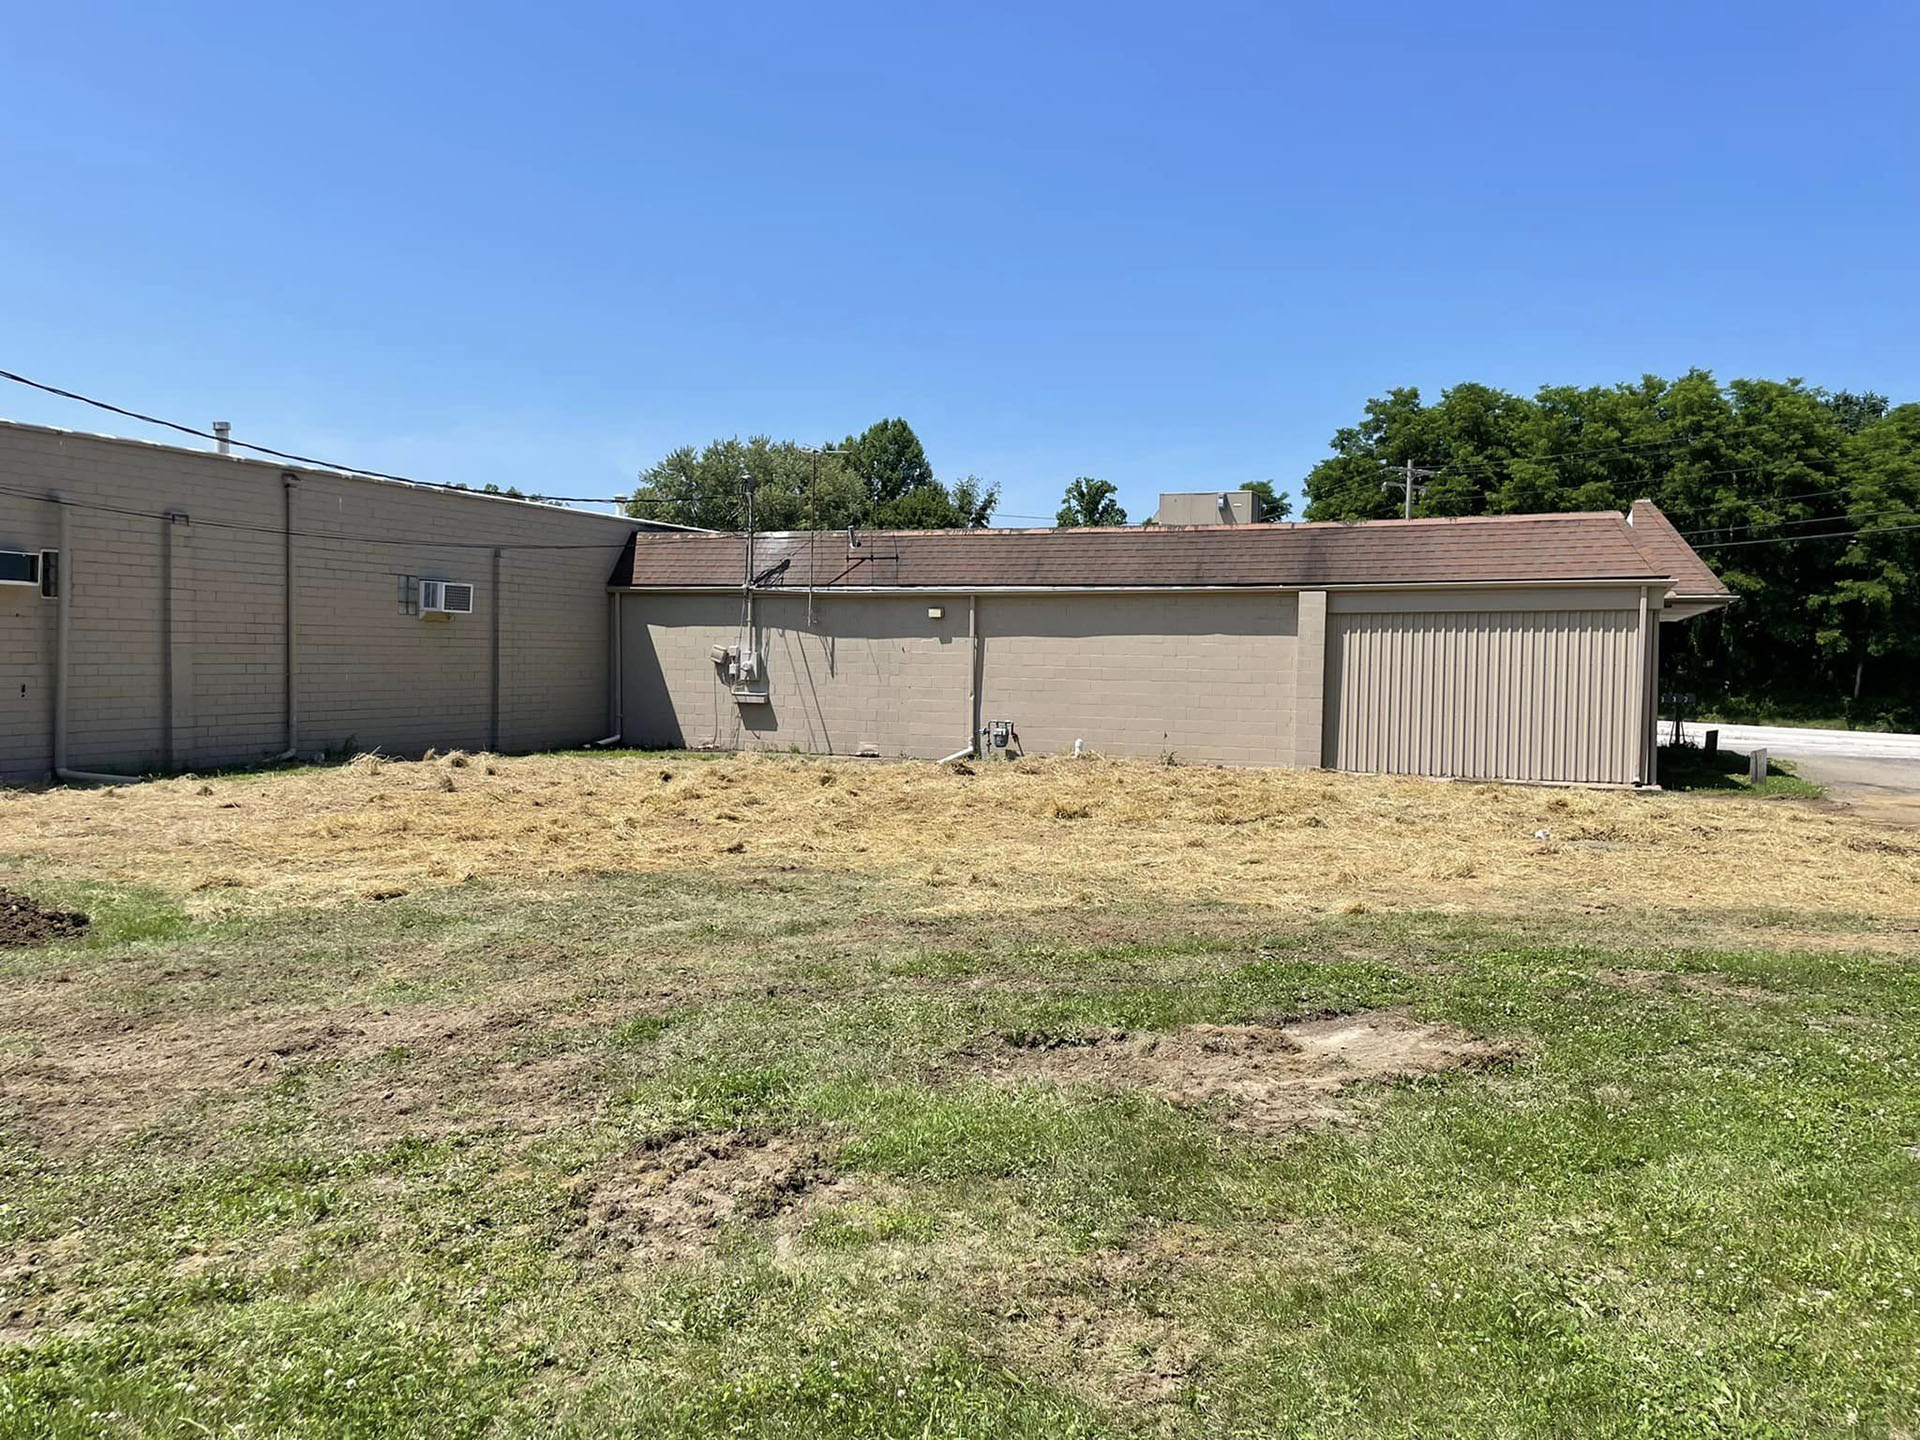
1483 549
1667 550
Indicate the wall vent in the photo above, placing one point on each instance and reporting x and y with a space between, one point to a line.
445 597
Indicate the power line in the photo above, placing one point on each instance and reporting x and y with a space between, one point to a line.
308 459
277 531
1795 539
1901 510
1456 467
1495 462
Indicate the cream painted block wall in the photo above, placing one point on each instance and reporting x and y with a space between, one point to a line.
875 671
369 673
1207 677
1204 676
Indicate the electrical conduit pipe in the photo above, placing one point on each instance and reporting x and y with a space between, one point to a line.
292 483
973 680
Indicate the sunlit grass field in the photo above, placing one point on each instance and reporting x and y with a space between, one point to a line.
443 1136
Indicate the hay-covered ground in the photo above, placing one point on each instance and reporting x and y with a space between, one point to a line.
1041 832
766 1096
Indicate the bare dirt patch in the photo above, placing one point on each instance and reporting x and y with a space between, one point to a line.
1268 1079
103 1076
24 922
669 1203
1654 982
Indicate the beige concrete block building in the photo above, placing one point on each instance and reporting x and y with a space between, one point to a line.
1523 648
220 610
165 609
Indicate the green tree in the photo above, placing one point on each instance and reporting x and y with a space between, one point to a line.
1090 502
1867 614
1274 507
797 488
704 487
966 505
889 460
1762 476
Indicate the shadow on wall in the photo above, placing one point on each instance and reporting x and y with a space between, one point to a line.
647 711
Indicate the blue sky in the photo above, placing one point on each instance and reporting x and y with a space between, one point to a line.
1172 246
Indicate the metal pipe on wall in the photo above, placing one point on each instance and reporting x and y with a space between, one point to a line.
974 677
176 664
291 483
616 688
62 648
493 660
973 684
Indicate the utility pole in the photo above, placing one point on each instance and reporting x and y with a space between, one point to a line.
1410 485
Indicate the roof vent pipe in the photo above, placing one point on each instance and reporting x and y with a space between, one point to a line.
221 430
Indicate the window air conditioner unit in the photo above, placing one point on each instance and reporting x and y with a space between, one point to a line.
445 597
35 569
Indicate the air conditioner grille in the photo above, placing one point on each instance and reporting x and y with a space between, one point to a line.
446 597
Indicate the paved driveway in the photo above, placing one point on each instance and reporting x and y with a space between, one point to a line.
1877 789
1877 775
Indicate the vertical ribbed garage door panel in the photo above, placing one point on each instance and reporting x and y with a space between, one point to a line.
1513 695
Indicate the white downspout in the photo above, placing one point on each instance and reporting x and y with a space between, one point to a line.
973 680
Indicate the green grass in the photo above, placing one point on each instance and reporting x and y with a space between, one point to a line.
1687 767
1691 1208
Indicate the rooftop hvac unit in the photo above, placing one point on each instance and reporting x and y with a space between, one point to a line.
36 569
445 597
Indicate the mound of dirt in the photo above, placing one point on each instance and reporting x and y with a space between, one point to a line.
668 1203
23 922
1268 1079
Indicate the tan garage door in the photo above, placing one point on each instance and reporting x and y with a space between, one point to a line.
1513 695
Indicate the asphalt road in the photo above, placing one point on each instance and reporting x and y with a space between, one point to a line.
1877 775
1797 744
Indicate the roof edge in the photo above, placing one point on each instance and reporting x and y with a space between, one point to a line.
633 523
1621 582
1283 526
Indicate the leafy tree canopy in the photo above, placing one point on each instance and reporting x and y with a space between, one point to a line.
1090 502
1274 507
882 480
1806 501
888 459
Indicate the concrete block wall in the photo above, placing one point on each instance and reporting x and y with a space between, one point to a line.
26 645
1202 676
1209 677
874 672
179 629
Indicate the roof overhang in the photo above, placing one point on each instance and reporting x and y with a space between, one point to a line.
1685 607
